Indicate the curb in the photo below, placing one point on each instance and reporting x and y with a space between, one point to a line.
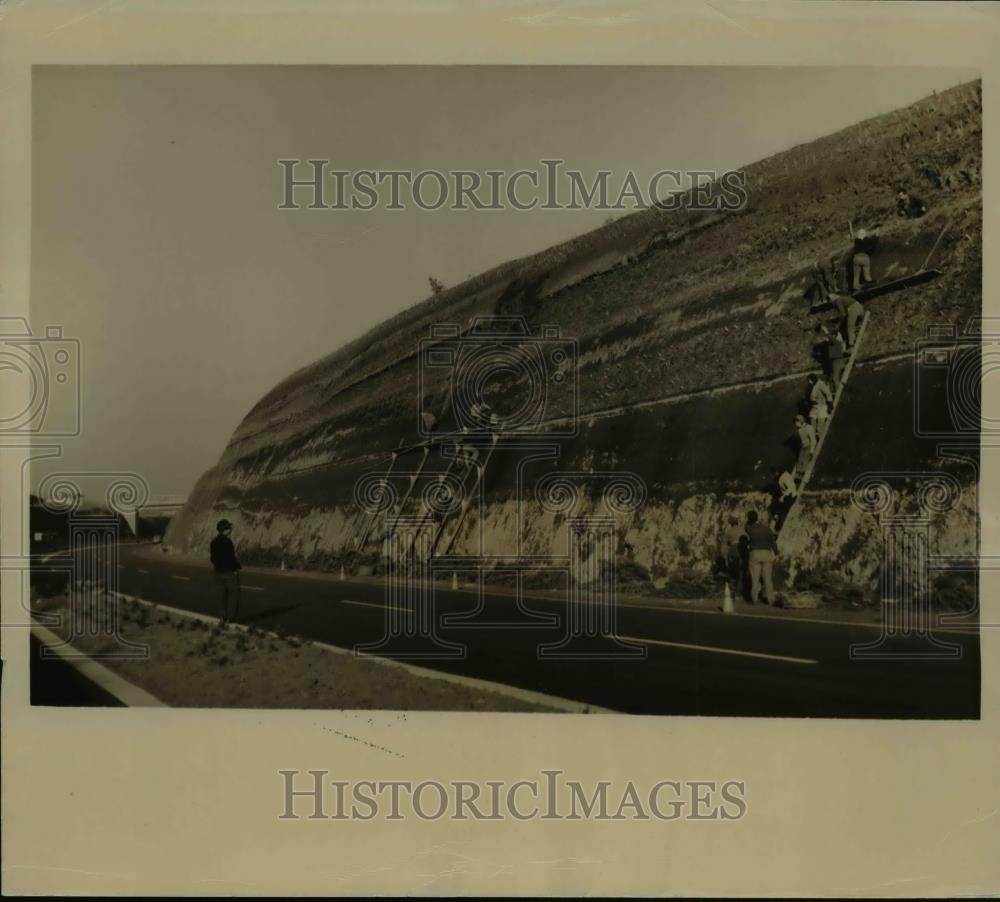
130 695
566 705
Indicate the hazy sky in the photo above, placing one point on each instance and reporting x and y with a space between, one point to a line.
157 240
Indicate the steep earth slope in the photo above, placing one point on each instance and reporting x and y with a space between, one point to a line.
692 342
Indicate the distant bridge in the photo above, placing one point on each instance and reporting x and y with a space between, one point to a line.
156 507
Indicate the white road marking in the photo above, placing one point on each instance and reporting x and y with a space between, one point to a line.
486 685
875 624
254 588
720 651
383 607
186 579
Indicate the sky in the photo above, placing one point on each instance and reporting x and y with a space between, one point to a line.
158 242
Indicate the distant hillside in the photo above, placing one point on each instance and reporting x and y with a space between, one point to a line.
692 334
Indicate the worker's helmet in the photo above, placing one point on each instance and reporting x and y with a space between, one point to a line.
223 524
862 233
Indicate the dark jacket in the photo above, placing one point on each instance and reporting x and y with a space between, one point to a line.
866 245
761 537
223 555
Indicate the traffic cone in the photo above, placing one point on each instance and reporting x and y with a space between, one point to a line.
342 576
454 580
283 567
727 601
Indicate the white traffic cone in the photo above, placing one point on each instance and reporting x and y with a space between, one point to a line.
454 580
727 601
342 576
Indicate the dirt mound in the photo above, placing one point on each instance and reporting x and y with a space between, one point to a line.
690 333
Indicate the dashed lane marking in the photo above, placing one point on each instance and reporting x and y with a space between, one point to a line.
720 651
370 604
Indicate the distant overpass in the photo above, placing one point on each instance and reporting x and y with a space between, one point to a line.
157 507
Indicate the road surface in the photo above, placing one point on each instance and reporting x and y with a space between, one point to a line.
694 662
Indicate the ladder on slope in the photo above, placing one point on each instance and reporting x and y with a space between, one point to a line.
468 494
820 439
373 516
479 468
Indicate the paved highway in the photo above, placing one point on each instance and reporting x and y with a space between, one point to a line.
695 662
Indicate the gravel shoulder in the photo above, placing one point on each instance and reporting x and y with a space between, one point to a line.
194 663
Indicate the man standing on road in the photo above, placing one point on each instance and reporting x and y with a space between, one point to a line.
763 547
227 571
732 540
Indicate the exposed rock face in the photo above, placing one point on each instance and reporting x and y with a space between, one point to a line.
691 338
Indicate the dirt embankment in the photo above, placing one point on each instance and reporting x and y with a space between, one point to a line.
683 303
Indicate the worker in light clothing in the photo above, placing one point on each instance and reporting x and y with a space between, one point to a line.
807 445
820 402
851 311
763 548
787 488
828 349
861 261
227 571
824 280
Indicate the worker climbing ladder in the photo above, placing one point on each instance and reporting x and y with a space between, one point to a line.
821 438
465 492
372 518
468 495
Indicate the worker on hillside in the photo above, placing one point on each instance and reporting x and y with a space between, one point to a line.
820 402
861 261
824 281
783 496
787 487
851 312
733 540
468 453
762 544
227 571
909 205
837 355
481 416
807 445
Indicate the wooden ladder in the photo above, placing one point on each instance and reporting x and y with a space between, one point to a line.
820 439
468 494
366 532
